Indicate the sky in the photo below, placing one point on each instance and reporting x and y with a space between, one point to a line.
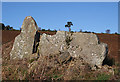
60 0
88 16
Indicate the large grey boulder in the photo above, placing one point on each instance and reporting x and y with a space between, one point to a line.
83 45
24 42
53 44
88 47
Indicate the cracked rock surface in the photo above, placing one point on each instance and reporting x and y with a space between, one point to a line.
23 44
84 45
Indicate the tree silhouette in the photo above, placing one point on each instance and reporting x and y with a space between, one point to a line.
80 30
108 31
8 27
69 25
2 26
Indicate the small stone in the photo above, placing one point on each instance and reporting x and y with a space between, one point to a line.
64 57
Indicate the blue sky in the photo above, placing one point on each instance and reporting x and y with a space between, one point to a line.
88 16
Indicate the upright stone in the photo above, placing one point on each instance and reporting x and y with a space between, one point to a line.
24 42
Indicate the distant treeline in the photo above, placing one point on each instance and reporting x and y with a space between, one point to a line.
8 27
3 27
47 30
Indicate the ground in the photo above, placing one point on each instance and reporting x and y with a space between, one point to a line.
19 69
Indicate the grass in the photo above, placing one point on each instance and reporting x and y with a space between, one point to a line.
68 40
9 69
57 76
103 77
117 71
24 72
32 60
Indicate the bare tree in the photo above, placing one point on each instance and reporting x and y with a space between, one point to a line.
69 25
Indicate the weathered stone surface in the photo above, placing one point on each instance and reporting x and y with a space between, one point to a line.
84 45
53 44
87 46
24 42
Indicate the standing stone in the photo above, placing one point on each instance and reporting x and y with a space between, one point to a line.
24 42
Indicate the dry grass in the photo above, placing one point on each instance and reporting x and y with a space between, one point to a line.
48 68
